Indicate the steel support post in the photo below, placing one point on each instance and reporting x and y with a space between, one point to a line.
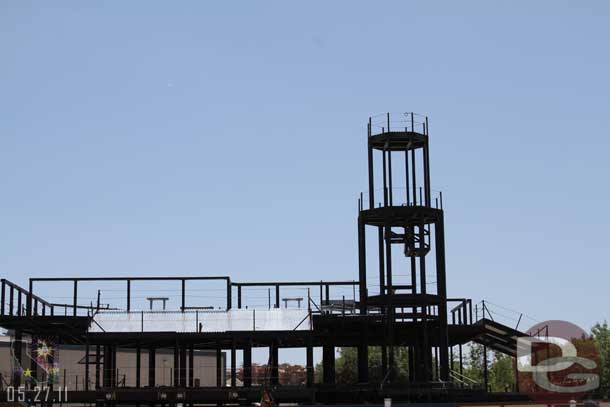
309 364
328 363
361 266
138 364
439 231
219 366
152 366
233 365
183 368
191 366
274 356
248 364
363 359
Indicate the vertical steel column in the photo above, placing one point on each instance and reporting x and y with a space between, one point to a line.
441 287
371 175
422 260
151 367
390 187
274 356
229 295
277 296
218 365
183 369
384 178
388 262
310 368
239 296
389 338
426 174
138 364
414 177
19 303
248 364
451 346
361 266
233 365
408 194
321 296
191 366
328 363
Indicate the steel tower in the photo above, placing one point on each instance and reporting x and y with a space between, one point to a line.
411 284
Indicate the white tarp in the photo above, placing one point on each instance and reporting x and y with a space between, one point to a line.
276 319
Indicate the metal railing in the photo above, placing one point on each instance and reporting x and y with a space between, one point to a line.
20 302
400 196
398 122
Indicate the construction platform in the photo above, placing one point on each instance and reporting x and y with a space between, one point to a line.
415 313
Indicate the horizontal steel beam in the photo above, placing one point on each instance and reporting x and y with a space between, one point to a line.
169 278
294 283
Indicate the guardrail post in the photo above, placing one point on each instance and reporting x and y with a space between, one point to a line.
3 297
29 312
183 295
75 297
128 295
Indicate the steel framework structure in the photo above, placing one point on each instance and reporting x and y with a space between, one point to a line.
401 310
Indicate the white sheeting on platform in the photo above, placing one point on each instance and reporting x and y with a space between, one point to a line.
211 321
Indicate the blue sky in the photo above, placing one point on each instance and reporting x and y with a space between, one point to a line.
149 138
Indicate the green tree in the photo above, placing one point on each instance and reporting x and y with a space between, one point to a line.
500 368
473 366
346 365
501 373
601 337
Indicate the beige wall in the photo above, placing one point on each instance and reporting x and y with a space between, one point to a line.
69 356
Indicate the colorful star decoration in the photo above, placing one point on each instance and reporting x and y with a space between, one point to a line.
44 350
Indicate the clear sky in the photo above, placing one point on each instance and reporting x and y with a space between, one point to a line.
199 138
